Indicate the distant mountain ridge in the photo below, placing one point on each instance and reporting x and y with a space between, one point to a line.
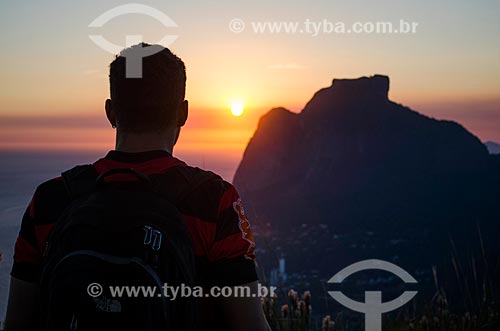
356 175
353 129
493 147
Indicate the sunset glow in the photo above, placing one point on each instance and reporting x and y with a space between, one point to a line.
56 79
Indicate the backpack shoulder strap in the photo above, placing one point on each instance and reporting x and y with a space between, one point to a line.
166 185
80 180
199 179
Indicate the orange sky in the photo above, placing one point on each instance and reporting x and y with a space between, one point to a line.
54 79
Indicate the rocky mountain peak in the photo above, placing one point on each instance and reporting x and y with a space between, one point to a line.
377 85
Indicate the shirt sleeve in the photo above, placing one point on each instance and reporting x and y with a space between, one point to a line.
27 254
231 255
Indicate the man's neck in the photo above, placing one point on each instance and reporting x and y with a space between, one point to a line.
142 142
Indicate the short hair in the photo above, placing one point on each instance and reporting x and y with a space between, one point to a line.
150 102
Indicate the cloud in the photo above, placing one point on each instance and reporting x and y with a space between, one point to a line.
89 72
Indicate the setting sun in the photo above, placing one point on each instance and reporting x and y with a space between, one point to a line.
237 109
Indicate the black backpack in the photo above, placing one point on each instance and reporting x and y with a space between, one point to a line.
111 236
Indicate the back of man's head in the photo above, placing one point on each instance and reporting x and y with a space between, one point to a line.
149 103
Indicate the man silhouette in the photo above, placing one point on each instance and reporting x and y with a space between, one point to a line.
148 114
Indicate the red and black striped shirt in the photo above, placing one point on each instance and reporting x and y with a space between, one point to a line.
221 235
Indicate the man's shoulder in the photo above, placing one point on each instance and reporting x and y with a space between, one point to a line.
49 199
55 183
204 191
197 178
202 179
207 191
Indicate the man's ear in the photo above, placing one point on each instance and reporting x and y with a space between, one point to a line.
110 113
183 113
